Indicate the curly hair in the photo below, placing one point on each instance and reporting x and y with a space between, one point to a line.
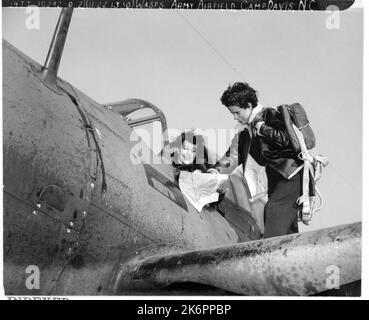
201 161
241 94
196 139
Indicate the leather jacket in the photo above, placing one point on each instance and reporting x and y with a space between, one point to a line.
269 147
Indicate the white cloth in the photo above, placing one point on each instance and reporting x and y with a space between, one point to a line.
200 188
254 112
256 179
240 127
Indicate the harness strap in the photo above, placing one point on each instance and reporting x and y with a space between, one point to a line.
313 164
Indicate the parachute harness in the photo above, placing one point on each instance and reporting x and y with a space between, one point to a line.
313 166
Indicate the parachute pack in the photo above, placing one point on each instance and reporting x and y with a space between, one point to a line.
303 140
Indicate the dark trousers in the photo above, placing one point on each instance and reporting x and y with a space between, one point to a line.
280 212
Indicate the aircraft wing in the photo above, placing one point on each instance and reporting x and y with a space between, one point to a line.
297 264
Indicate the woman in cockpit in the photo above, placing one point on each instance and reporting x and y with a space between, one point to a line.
188 152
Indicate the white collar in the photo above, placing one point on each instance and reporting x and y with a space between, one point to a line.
254 112
240 127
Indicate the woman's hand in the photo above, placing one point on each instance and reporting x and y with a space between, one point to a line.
214 171
223 187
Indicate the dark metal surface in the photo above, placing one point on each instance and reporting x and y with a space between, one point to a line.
288 265
166 187
74 203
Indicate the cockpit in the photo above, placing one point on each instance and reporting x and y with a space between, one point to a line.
242 213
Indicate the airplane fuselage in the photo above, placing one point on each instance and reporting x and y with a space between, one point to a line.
75 204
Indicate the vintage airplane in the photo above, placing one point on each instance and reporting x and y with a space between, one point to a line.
78 210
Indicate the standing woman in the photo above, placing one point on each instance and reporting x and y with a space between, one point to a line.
266 140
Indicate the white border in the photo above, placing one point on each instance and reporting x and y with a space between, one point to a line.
365 246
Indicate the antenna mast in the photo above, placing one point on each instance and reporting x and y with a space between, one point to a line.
48 74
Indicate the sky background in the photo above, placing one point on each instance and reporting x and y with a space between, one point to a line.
182 61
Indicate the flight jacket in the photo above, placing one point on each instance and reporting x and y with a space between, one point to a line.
270 146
